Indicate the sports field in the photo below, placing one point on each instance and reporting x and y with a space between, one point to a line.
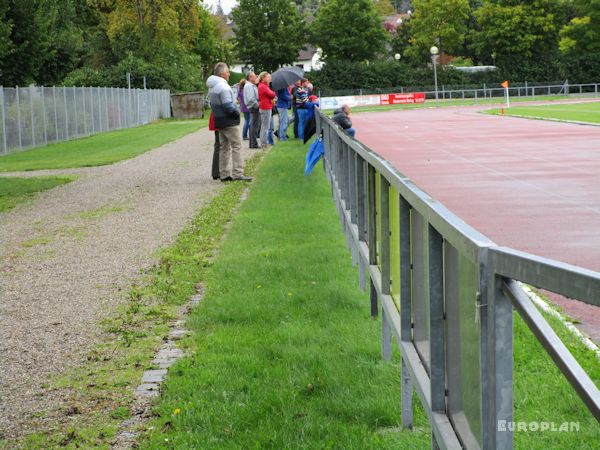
574 112
527 184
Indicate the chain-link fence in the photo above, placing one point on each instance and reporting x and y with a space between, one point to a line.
33 116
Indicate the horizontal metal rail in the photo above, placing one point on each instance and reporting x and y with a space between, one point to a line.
557 350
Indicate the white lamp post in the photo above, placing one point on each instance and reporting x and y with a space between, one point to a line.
434 55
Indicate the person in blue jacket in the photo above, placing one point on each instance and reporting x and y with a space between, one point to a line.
284 102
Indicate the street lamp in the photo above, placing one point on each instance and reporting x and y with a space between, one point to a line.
397 56
434 55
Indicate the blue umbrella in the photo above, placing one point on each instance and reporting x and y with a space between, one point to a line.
315 151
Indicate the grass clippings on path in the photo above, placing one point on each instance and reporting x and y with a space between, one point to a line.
284 353
100 149
17 190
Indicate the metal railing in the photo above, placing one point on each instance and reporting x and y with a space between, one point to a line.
33 116
446 293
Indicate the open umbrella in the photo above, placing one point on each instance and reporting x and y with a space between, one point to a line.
285 76
315 152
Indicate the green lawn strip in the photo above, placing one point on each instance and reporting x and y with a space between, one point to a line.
284 353
459 102
98 395
578 112
100 149
543 394
17 190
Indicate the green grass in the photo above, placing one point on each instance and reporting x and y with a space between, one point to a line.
17 190
284 352
578 112
542 393
100 149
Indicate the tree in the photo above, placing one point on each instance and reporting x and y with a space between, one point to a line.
582 34
384 7
308 9
269 33
442 23
517 36
23 57
210 44
349 30
62 39
150 29
6 26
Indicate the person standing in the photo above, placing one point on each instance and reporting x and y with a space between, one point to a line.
283 104
227 121
301 100
297 86
266 98
243 109
251 101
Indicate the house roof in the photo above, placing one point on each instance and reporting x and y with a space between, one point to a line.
306 53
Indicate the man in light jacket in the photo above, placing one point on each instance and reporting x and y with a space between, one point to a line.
251 100
227 121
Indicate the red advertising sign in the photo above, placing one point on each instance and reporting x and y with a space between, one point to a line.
397 99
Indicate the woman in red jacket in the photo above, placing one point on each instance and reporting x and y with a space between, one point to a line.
266 98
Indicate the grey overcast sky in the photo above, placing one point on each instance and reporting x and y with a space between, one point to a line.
225 4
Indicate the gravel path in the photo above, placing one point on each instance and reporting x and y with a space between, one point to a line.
65 256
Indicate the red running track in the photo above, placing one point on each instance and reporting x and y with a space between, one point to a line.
527 184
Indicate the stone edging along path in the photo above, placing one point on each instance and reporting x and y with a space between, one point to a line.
66 256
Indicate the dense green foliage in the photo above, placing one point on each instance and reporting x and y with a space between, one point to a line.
269 33
349 30
442 23
538 40
174 44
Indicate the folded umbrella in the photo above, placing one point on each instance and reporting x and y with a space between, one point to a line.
310 128
310 123
282 78
315 152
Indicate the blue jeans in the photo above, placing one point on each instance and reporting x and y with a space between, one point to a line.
246 125
265 121
350 131
271 130
284 121
301 119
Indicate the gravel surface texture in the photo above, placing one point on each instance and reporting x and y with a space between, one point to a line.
65 256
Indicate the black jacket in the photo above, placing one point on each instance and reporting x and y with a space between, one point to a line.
341 119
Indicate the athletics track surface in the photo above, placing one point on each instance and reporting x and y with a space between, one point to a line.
527 184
